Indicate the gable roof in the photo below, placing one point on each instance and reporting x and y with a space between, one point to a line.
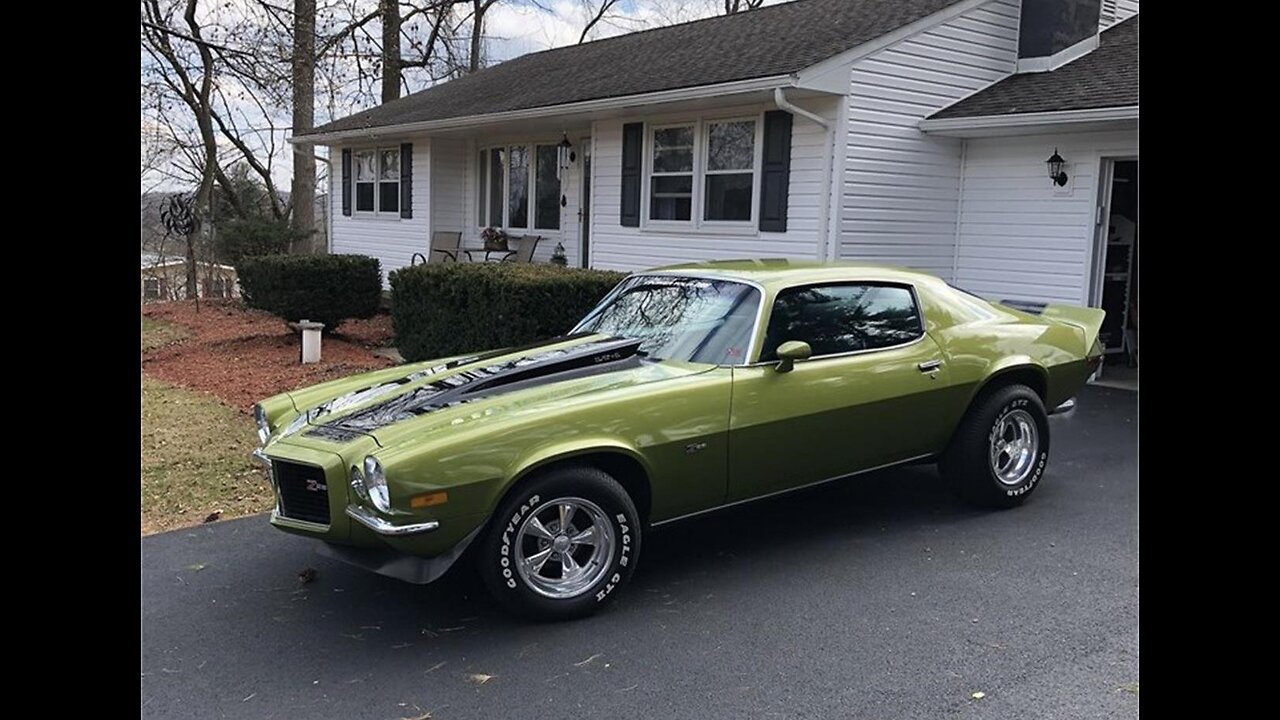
1106 77
769 41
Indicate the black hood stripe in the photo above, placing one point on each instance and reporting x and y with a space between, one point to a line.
607 355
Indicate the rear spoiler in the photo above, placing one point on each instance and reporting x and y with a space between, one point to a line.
1089 320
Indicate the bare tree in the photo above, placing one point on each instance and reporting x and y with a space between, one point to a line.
736 6
390 11
479 9
596 13
302 188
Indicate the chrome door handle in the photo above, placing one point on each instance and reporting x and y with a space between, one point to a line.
930 365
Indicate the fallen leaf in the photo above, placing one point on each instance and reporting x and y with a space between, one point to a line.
213 516
307 575
479 678
978 695
1129 688
197 567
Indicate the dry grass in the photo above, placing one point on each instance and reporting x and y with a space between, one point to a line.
157 334
195 460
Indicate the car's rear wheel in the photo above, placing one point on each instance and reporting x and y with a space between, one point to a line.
561 545
998 454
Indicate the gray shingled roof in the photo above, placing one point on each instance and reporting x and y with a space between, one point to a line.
1106 77
772 40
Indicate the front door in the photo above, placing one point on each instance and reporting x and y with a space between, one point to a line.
584 210
866 397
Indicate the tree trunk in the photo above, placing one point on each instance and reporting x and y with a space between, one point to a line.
390 49
204 121
477 35
302 192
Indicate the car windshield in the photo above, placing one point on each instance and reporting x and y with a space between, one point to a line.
680 318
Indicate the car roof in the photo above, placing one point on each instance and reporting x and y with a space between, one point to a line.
777 273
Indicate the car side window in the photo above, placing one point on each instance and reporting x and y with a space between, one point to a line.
843 318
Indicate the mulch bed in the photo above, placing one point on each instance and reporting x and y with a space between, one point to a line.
241 355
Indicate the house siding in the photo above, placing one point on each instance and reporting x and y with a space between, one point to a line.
900 191
1124 9
615 247
390 238
1021 237
448 182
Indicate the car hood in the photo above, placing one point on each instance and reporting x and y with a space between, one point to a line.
434 394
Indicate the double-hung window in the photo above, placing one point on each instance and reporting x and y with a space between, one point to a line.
704 172
378 180
518 187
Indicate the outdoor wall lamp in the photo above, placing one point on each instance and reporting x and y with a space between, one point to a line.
1056 173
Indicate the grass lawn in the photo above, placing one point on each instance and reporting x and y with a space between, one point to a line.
195 460
157 334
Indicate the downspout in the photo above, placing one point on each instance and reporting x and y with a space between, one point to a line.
955 250
780 99
328 205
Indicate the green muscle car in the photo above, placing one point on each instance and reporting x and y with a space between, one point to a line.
687 389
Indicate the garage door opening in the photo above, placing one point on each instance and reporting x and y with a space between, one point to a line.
1116 273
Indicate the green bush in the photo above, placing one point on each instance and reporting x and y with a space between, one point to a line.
239 239
443 309
322 288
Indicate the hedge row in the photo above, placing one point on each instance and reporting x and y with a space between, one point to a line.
322 288
442 309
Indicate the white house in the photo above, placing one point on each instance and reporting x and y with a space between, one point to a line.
909 132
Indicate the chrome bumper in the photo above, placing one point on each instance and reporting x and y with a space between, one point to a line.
1067 406
382 527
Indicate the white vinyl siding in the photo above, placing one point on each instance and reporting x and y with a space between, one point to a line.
388 237
1020 236
1115 11
615 247
448 170
900 186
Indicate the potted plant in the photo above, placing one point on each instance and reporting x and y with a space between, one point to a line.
494 239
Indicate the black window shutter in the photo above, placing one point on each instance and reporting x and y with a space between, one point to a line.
632 145
346 183
406 180
775 177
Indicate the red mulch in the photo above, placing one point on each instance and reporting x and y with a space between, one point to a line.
241 355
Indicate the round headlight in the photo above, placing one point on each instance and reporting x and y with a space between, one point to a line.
264 427
375 481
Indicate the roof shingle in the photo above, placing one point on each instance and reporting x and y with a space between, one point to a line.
1106 77
772 40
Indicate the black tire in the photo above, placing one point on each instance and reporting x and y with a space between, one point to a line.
499 546
967 463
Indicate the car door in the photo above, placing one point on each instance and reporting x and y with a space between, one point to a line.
865 397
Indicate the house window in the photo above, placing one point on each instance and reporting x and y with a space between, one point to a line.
730 176
378 180
703 172
151 288
671 177
518 187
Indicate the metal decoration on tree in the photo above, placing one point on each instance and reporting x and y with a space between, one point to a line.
178 215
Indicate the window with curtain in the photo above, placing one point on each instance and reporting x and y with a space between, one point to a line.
730 170
377 180
518 187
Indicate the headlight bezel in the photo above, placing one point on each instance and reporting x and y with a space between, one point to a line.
375 483
264 426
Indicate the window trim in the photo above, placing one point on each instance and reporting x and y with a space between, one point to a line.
910 287
377 210
701 146
482 199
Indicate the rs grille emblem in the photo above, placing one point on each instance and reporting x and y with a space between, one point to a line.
317 486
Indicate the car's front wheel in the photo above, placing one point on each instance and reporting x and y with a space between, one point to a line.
998 454
561 545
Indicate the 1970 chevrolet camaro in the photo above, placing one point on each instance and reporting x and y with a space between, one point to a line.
687 389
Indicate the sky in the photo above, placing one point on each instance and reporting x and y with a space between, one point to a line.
514 27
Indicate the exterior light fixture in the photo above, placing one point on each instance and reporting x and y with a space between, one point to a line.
1056 173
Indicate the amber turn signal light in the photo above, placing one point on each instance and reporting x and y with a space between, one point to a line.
430 499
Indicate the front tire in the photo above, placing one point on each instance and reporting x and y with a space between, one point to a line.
999 452
561 545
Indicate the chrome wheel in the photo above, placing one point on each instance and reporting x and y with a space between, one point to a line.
564 547
1015 441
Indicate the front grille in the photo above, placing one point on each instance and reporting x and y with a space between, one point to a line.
304 494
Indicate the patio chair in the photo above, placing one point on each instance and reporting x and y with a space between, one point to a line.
524 253
447 244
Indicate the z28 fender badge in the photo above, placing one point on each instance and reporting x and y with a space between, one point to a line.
317 486
692 448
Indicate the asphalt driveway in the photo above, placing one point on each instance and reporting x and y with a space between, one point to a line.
878 597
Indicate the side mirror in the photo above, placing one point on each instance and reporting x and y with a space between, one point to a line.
791 351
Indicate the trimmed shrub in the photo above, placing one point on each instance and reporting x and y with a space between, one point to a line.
322 288
240 239
442 309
